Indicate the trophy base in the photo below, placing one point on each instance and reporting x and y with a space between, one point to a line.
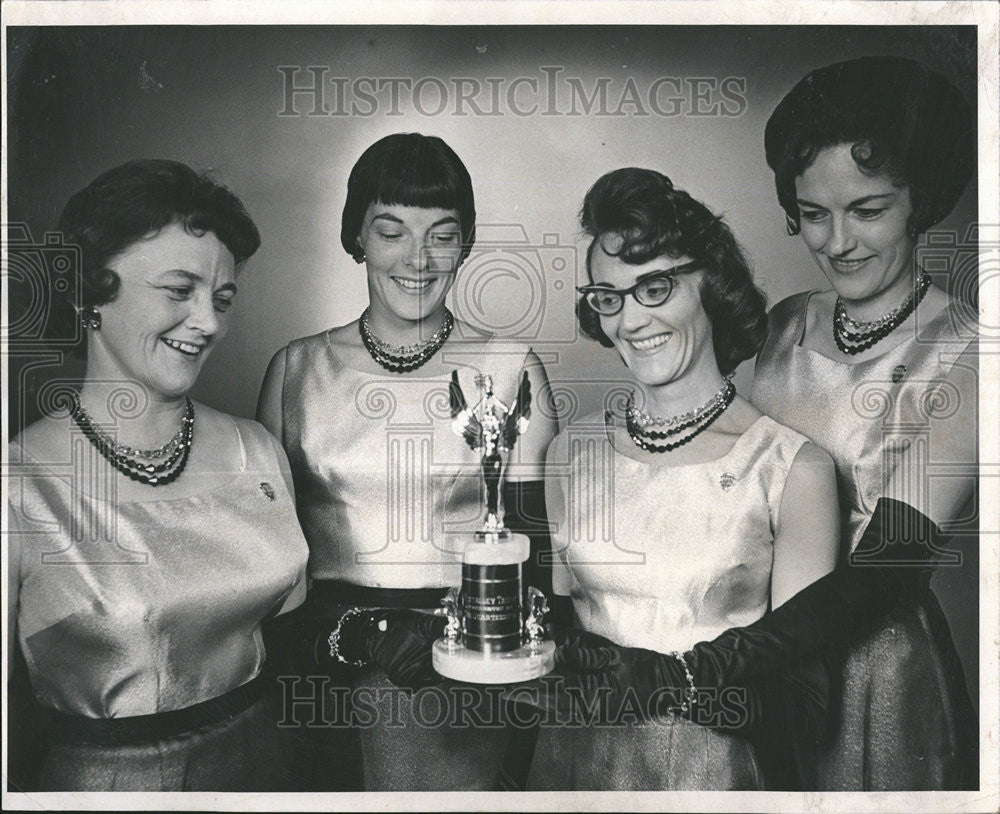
527 662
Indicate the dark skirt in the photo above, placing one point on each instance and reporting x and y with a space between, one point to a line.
243 753
373 736
668 753
903 719
433 739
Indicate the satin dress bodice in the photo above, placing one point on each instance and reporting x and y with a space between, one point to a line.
138 607
387 492
864 414
662 557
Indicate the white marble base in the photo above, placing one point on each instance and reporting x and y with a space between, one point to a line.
470 666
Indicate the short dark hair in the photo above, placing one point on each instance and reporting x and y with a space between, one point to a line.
901 119
653 218
136 200
408 169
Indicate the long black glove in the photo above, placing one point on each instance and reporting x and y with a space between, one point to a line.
296 643
398 641
898 549
608 684
783 714
524 513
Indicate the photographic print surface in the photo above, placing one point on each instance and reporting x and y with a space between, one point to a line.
681 453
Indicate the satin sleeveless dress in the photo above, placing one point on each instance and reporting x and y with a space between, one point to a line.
660 557
904 720
131 608
388 495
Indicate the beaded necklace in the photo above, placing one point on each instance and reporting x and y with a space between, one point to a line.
403 358
143 466
694 422
853 336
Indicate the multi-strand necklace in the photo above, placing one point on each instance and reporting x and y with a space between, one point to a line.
403 358
154 467
681 429
853 336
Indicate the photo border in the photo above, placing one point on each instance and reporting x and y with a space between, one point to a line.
982 14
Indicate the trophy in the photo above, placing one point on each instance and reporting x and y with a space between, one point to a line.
494 631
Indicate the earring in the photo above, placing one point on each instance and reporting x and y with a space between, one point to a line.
359 259
90 318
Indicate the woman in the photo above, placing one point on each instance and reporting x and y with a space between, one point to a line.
387 492
711 511
880 370
152 535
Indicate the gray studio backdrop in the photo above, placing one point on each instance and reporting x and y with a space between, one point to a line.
537 114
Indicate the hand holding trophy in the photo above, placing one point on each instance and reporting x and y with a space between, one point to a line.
494 632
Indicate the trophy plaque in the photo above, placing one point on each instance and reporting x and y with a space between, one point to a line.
494 633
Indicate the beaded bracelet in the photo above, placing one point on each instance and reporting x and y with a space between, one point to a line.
690 693
334 638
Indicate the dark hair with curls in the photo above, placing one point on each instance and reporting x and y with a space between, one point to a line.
900 118
136 200
408 169
653 218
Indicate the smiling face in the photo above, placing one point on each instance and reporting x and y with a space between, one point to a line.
170 311
855 226
665 343
411 254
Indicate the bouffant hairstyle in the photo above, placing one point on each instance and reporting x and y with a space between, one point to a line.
653 218
901 119
133 202
408 169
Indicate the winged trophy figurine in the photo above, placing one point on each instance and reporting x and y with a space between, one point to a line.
490 428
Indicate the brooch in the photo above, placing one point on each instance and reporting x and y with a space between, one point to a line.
727 481
897 373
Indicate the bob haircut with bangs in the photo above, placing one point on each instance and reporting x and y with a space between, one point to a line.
408 169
